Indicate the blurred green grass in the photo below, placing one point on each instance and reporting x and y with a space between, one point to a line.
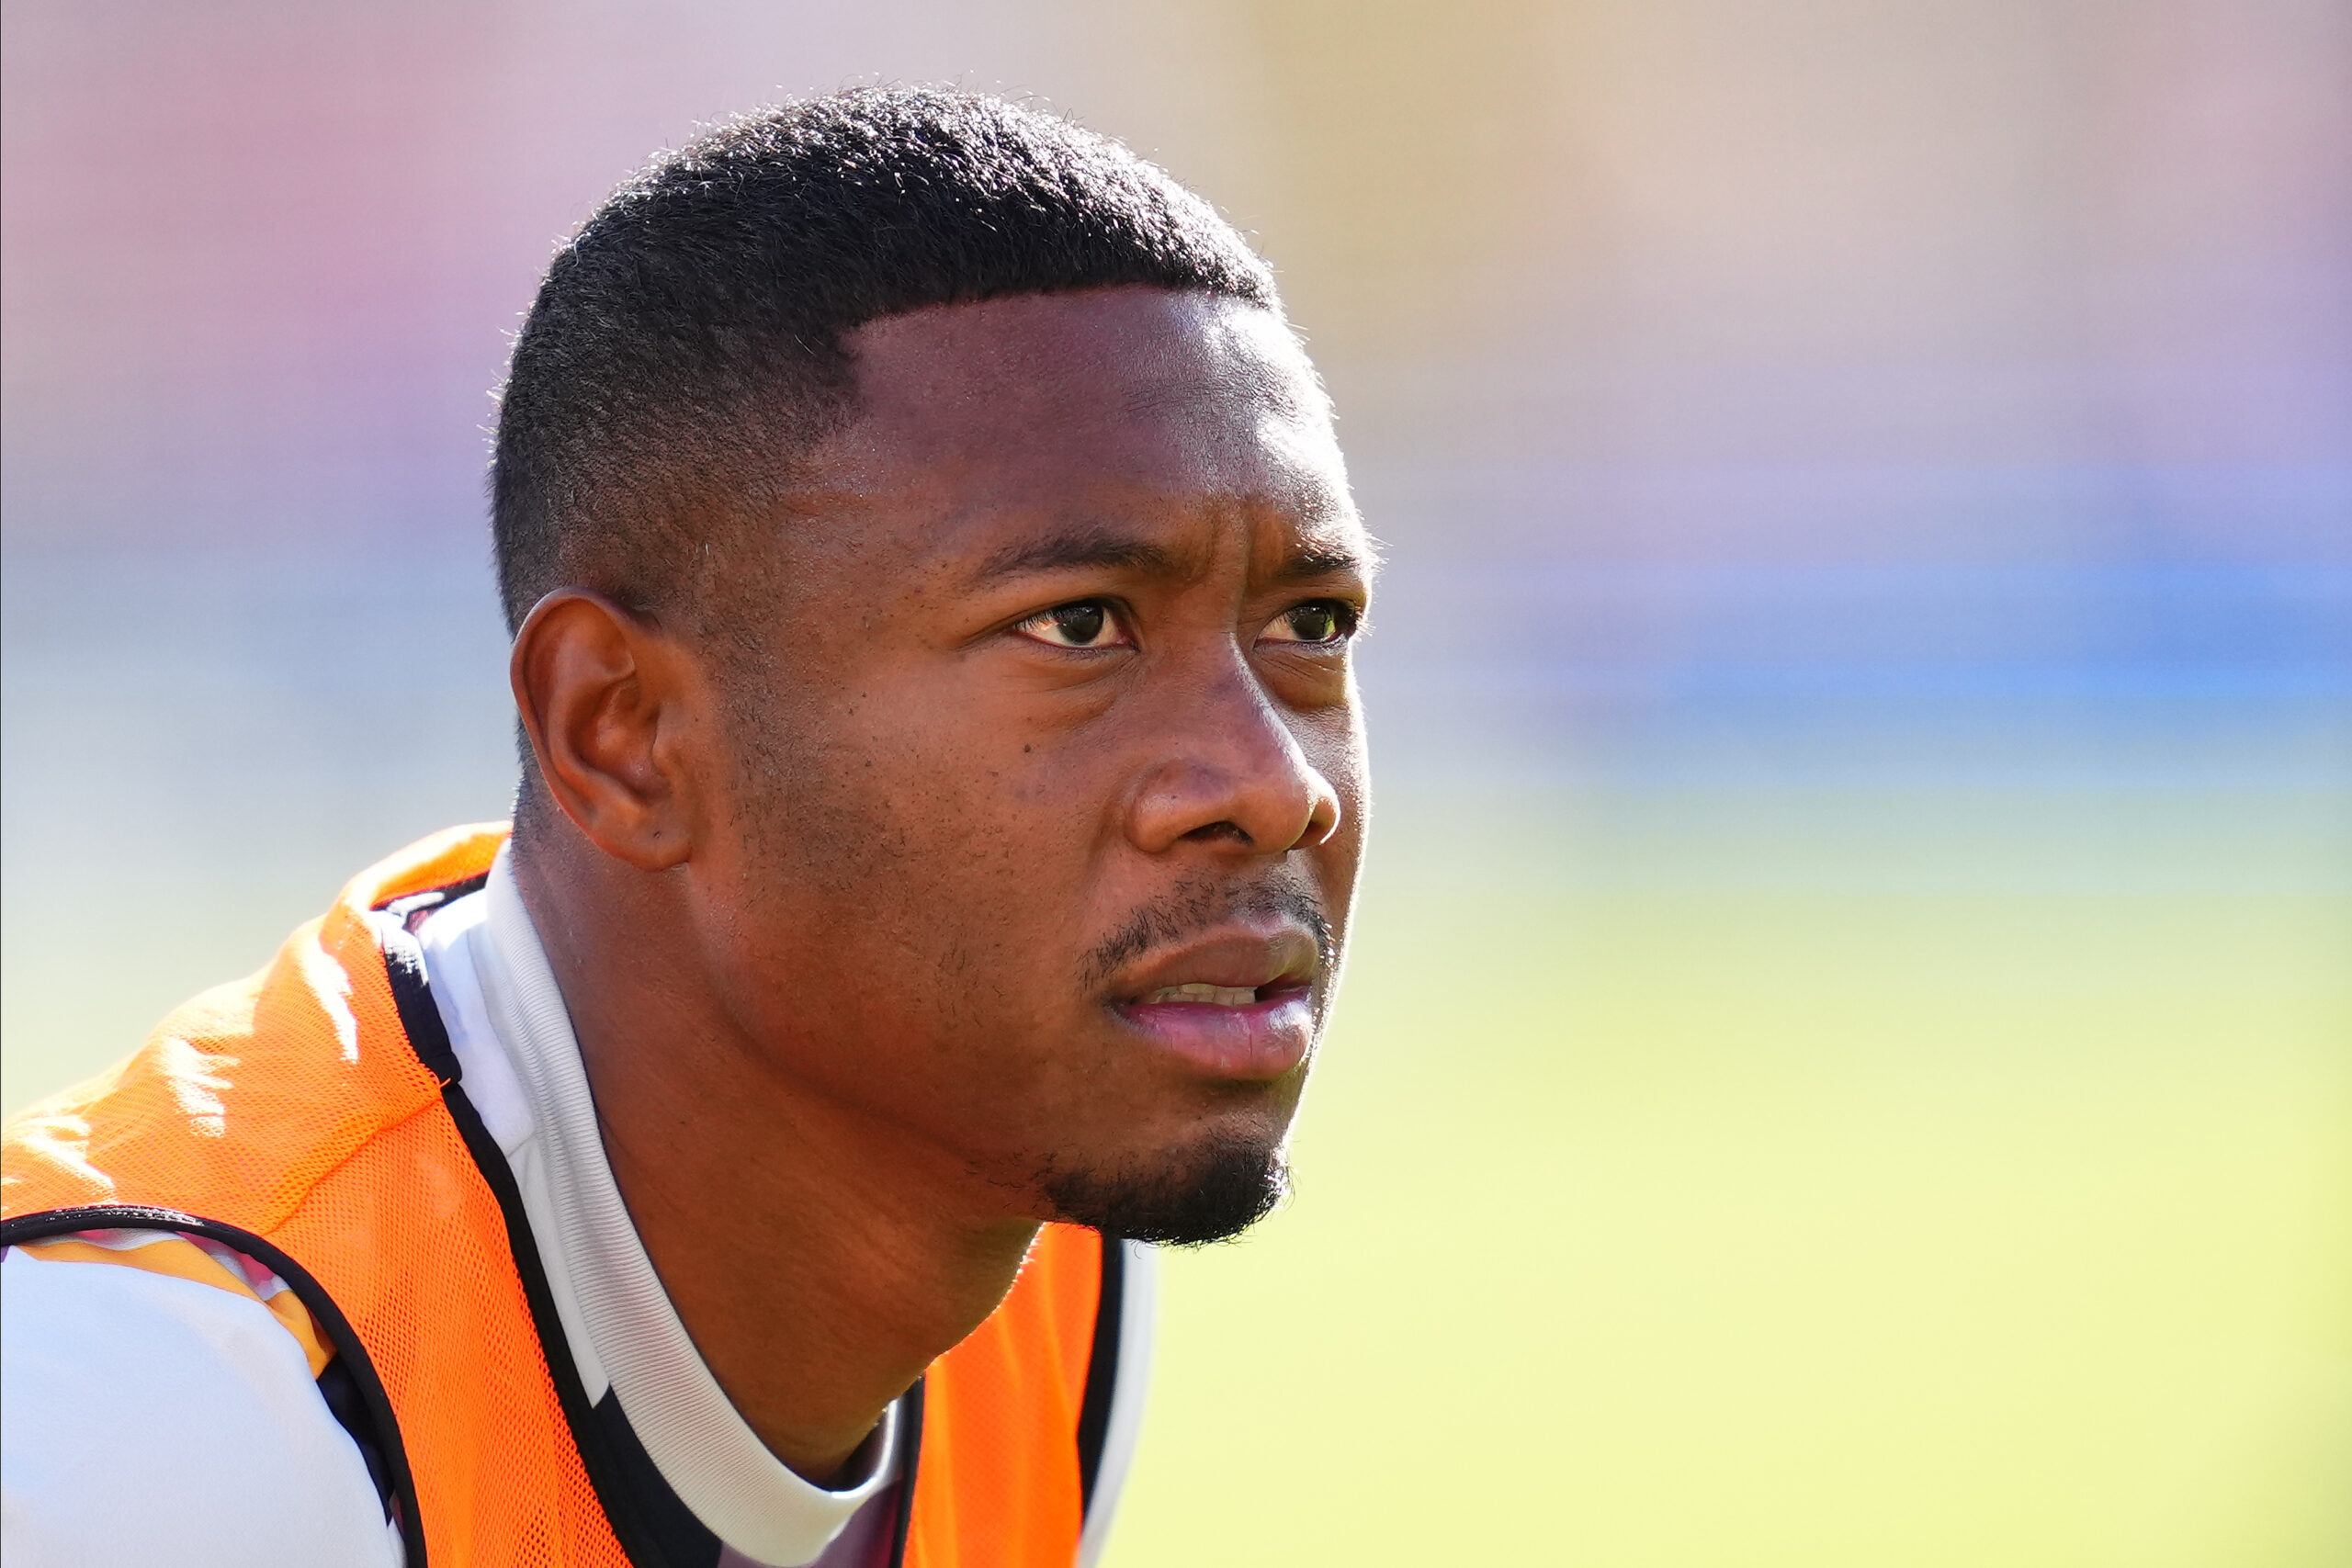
1871 1222
1719 1182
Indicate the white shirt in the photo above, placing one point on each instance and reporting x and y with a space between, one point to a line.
114 1371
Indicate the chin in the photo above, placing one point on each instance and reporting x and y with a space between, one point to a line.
1211 1190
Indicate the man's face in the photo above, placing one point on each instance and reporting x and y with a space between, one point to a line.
1044 781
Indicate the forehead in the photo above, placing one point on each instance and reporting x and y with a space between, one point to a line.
1108 399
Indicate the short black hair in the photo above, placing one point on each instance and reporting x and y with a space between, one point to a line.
688 341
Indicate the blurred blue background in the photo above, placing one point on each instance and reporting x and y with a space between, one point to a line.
1849 1056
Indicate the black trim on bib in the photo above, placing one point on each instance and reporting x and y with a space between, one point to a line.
410 908
686 1540
655 1527
910 1461
349 1348
1102 1372
340 1388
421 1021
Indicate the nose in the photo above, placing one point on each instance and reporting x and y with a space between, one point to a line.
1231 772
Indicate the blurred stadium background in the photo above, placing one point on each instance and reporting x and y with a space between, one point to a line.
1848 1059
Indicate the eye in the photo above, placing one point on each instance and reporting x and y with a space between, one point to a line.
1084 623
1318 622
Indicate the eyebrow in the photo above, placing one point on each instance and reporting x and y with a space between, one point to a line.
1098 547
1105 549
1321 560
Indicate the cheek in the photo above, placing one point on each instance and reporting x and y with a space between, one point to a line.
1336 747
924 892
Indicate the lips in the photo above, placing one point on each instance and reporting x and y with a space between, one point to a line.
1236 1005
1202 991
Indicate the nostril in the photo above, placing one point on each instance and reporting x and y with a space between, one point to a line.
1213 831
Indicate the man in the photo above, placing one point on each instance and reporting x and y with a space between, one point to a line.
933 576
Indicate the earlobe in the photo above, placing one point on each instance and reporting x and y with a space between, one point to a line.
602 695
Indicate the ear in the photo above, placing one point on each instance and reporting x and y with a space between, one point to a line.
606 698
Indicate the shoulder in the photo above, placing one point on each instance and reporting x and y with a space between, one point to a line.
149 1418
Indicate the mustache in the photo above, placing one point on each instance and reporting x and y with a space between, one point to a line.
1199 907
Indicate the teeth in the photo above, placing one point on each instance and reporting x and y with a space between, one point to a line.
1196 991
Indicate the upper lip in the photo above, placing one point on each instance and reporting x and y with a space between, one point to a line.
1239 956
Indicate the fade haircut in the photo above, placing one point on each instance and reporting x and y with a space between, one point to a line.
688 342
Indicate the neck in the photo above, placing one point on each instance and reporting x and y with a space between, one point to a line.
820 1260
